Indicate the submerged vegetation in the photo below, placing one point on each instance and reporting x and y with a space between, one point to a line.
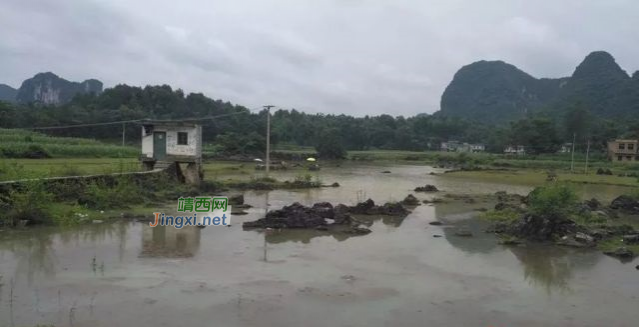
554 214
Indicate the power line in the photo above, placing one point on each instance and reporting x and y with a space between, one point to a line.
86 125
141 120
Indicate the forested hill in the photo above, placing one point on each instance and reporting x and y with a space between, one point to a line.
49 89
240 130
237 129
497 92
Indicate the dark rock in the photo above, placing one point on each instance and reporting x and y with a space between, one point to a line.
593 204
542 228
510 241
236 199
621 253
577 240
324 210
432 173
410 200
386 172
393 209
336 184
341 215
358 231
437 235
293 216
426 188
435 223
631 239
363 207
637 267
368 207
625 202
620 229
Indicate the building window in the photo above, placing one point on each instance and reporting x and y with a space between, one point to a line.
631 146
622 146
619 158
629 158
183 138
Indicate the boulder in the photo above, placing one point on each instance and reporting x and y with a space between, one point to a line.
621 253
324 210
368 207
341 215
626 203
236 199
410 200
593 204
393 209
358 231
427 188
435 223
363 208
543 228
631 239
294 216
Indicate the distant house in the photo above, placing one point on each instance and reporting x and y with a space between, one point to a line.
456 146
450 146
623 150
515 149
565 148
477 148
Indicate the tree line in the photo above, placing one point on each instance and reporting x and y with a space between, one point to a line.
242 131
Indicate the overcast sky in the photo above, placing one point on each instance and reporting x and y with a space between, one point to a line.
335 56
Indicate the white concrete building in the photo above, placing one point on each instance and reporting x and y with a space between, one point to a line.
166 142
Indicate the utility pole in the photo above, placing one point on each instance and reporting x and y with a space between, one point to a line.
587 153
268 137
572 154
123 132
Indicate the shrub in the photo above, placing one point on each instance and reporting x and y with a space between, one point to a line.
500 216
28 202
554 201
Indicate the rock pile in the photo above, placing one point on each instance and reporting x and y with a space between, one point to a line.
325 216
426 188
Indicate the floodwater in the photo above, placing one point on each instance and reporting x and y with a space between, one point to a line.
128 274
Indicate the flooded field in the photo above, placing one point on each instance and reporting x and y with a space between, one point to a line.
128 274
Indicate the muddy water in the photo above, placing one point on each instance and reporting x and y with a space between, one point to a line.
128 274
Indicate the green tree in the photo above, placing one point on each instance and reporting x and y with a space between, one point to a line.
329 146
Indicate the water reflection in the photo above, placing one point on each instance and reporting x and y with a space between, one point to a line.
170 242
34 250
552 267
544 266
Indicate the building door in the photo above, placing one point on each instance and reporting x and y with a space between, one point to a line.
159 145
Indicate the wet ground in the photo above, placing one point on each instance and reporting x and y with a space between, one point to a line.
128 274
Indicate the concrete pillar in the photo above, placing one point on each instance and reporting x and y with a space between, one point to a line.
193 173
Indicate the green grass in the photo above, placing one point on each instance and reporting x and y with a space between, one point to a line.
13 169
15 143
500 216
614 243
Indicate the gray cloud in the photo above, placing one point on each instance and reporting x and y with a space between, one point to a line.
333 56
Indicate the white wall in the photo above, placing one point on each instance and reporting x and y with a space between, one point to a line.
193 148
147 144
